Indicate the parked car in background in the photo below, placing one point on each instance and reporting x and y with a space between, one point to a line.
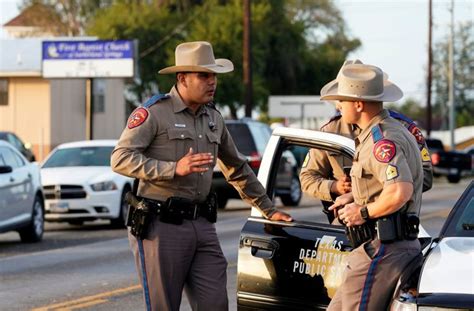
79 184
251 138
21 196
299 265
16 142
452 164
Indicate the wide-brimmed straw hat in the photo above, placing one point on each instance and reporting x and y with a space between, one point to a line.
356 81
197 56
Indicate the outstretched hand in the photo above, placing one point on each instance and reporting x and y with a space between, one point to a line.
281 216
193 163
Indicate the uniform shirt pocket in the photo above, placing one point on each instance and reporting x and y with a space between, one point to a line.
359 183
181 140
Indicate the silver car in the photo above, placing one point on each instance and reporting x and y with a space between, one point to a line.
21 196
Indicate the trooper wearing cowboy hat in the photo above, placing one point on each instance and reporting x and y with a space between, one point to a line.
322 174
171 145
387 181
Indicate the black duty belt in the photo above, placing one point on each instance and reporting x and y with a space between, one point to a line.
178 206
391 228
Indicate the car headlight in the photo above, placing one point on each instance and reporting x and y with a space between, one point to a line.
104 186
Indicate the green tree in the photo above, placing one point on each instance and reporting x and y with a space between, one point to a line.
62 17
463 78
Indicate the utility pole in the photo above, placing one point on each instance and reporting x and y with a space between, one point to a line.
430 62
247 60
451 78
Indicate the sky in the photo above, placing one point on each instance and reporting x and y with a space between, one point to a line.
394 34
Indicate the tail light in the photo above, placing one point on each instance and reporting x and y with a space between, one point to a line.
255 159
435 158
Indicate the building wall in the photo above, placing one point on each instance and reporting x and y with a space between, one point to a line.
110 123
68 110
28 113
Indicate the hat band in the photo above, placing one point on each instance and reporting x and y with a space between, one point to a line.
356 95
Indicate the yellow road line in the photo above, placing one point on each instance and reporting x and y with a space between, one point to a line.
95 299
83 305
89 298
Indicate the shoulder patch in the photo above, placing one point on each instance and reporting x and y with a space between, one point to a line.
384 150
399 116
391 172
425 155
137 118
377 133
155 99
334 118
415 131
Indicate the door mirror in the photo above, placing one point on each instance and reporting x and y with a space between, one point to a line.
4 169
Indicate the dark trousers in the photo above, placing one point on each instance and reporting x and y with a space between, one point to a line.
177 257
372 273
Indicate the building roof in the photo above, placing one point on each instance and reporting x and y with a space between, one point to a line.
25 18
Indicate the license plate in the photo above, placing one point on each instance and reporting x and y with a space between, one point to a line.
453 171
60 207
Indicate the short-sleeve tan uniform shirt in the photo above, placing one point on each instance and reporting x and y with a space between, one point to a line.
386 153
157 136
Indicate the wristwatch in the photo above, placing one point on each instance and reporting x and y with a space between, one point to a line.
364 213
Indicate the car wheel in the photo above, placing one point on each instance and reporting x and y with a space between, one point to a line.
121 220
221 201
293 198
35 229
454 178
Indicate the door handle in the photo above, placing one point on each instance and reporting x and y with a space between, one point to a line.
263 249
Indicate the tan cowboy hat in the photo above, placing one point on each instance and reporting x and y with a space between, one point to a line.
357 81
197 57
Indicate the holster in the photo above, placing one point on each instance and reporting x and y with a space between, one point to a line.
357 235
139 216
397 227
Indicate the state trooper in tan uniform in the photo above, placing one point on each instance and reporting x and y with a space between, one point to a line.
171 145
322 174
387 178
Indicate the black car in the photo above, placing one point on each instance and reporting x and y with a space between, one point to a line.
251 138
452 164
16 142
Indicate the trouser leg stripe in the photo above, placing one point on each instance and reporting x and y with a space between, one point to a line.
146 292
369 279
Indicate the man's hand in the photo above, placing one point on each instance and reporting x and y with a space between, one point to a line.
281 216
193 163
341 201
341 186
350 214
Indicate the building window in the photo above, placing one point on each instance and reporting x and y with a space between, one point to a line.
3 92
98 89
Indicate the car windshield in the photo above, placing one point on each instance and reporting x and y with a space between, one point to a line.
462 222
83 156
